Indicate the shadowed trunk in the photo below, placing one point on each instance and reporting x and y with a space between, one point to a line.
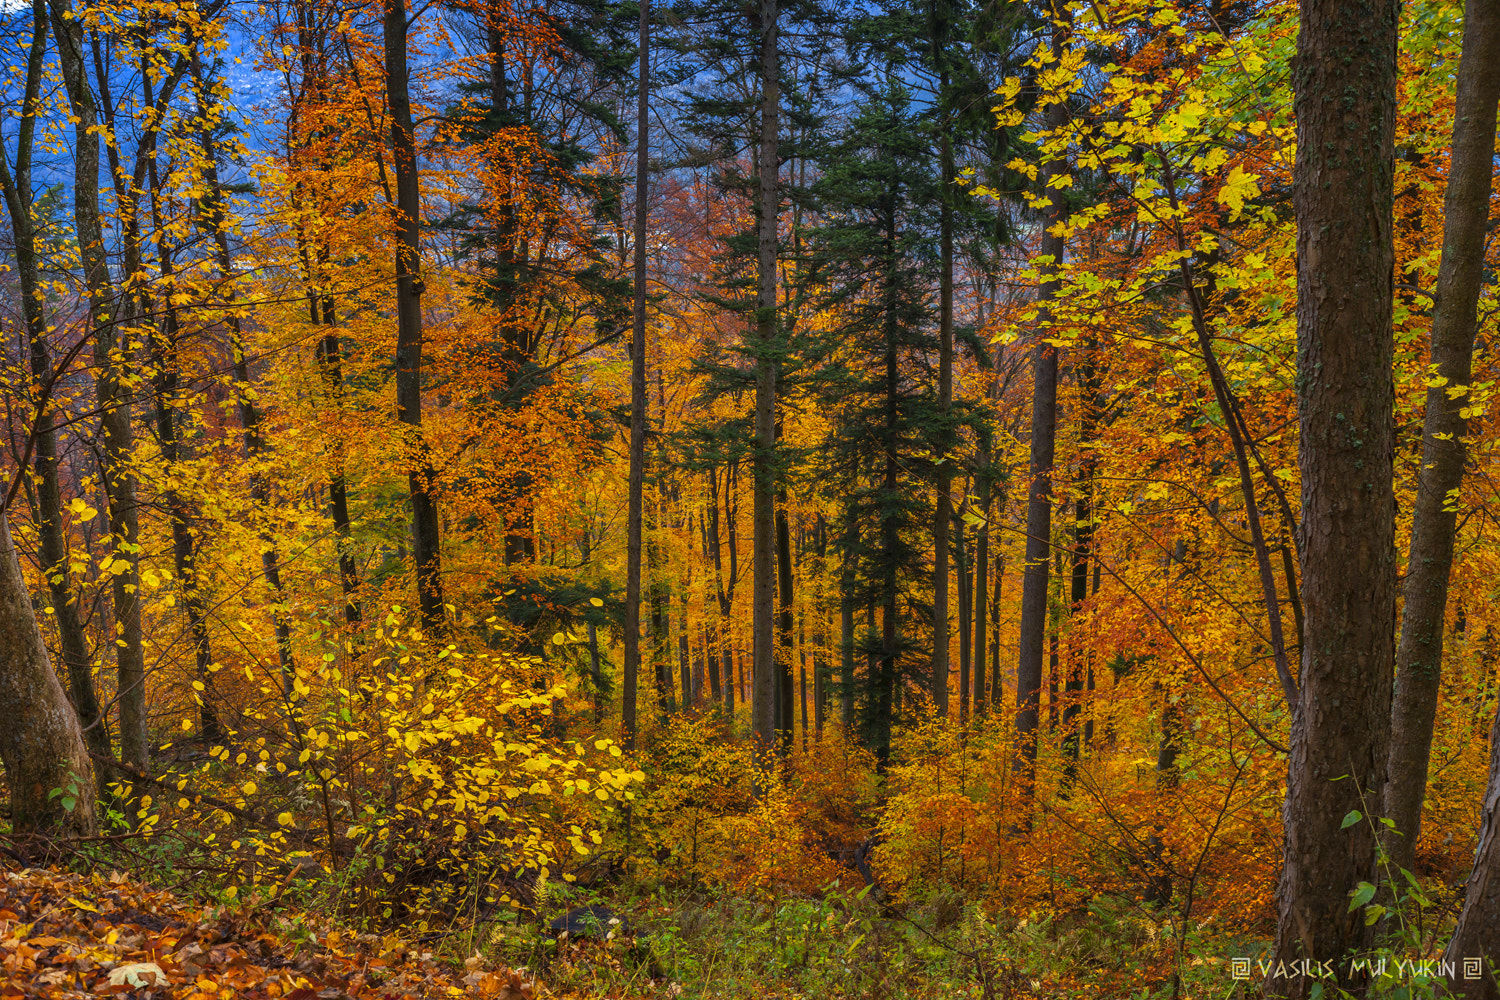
1342 193
1419 655
632 629
409 289
767 204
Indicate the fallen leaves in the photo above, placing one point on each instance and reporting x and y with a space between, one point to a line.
66 937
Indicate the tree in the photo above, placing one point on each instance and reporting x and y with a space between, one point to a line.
763 462
637 391
1343 193
20 206
1032 642
46 763
409 289
111 376
876 254
1445 429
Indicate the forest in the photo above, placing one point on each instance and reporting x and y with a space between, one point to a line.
783 498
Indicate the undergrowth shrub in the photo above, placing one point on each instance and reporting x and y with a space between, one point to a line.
406 782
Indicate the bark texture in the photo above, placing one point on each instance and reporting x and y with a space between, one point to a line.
41 743
1342 193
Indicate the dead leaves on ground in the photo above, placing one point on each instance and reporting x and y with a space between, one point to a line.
65 936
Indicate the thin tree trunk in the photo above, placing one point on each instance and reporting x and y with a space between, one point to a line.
767 205
164 389
1419 655
965 626
997 683
1090 405
802 683
943 517
409 289
1032 641
785 721
1342 193
637 393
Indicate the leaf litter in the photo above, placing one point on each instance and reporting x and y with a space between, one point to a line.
66 936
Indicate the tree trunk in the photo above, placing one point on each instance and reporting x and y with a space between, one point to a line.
943 517
1083 538
785 721
1342 193
1474 937
164 383
41 743
965 631
1033 632
1419 655
767 204
409 289
637 395
72 641
112 396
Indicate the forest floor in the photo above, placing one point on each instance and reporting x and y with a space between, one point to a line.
64 936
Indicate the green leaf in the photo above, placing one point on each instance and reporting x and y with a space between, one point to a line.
1373 913
1360 896
1354 817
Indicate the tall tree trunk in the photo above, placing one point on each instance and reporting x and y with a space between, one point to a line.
1419 655
164 383
409 289
112 396
637 393
767 206
41 744
1342 193
72 641
1033 637
884 678
986 477
943 517
1083 539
